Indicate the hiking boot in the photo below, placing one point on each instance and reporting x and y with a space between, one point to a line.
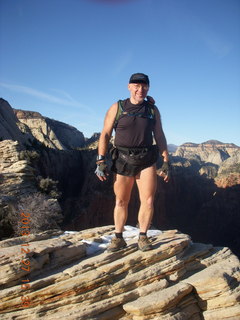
144 243
116 244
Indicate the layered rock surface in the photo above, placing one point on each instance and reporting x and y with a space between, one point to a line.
9 124
25 126
212 151
17 176
69 279
229 172
53 134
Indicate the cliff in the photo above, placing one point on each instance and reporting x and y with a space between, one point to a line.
9 124
71 277
23 126
229 172
212 151
216 160
55 173
36 155
17 175
53 134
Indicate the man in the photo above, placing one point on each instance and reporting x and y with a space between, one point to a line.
136 121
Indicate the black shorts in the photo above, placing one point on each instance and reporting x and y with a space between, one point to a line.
130 161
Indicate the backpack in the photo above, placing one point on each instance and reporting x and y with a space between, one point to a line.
150 112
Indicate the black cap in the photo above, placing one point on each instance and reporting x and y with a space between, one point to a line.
139 78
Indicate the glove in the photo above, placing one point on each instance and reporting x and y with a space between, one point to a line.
101 170
165 169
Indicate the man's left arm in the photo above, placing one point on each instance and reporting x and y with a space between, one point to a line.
161 143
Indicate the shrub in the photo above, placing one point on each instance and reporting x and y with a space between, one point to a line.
44 213
29 155
49 187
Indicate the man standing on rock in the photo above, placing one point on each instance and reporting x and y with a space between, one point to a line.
136 121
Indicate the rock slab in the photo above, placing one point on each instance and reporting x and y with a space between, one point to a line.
69 279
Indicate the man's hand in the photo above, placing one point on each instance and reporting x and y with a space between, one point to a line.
101 171
165 171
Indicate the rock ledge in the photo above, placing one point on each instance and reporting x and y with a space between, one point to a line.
177 280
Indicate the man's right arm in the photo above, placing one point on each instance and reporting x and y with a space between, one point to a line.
106 133
107 130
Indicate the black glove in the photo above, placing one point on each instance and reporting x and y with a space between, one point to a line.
101 170
165 169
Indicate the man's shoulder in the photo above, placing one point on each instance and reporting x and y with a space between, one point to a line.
123 100
113 108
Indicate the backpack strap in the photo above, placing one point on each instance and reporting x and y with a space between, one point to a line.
151 111
151 105
120 111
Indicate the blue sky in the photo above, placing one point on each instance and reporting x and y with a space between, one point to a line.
71 59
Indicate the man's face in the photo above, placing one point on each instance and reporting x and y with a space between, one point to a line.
138 91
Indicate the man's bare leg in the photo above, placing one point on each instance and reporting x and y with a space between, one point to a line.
147 184
122 188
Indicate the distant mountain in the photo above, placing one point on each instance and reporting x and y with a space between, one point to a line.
210 151
52 133
219 143
92 143
9 124
172 148
25 126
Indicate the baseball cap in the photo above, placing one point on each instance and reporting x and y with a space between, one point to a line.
139 78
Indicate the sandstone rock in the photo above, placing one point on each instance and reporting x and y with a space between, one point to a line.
17 175
230 163
211 151
23 126
229 172
71 280
53 134
41 131
9 124
18 180
158 301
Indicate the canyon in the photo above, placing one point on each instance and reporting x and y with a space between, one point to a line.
192 272
202 199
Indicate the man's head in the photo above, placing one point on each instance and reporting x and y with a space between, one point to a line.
138 87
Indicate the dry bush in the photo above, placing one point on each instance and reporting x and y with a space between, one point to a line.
43 213
49 186
29 155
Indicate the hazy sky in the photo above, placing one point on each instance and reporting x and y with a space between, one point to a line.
71 59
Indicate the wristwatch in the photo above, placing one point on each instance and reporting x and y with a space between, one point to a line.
100 157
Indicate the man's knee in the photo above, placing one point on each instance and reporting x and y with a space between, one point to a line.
148 202
121 203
